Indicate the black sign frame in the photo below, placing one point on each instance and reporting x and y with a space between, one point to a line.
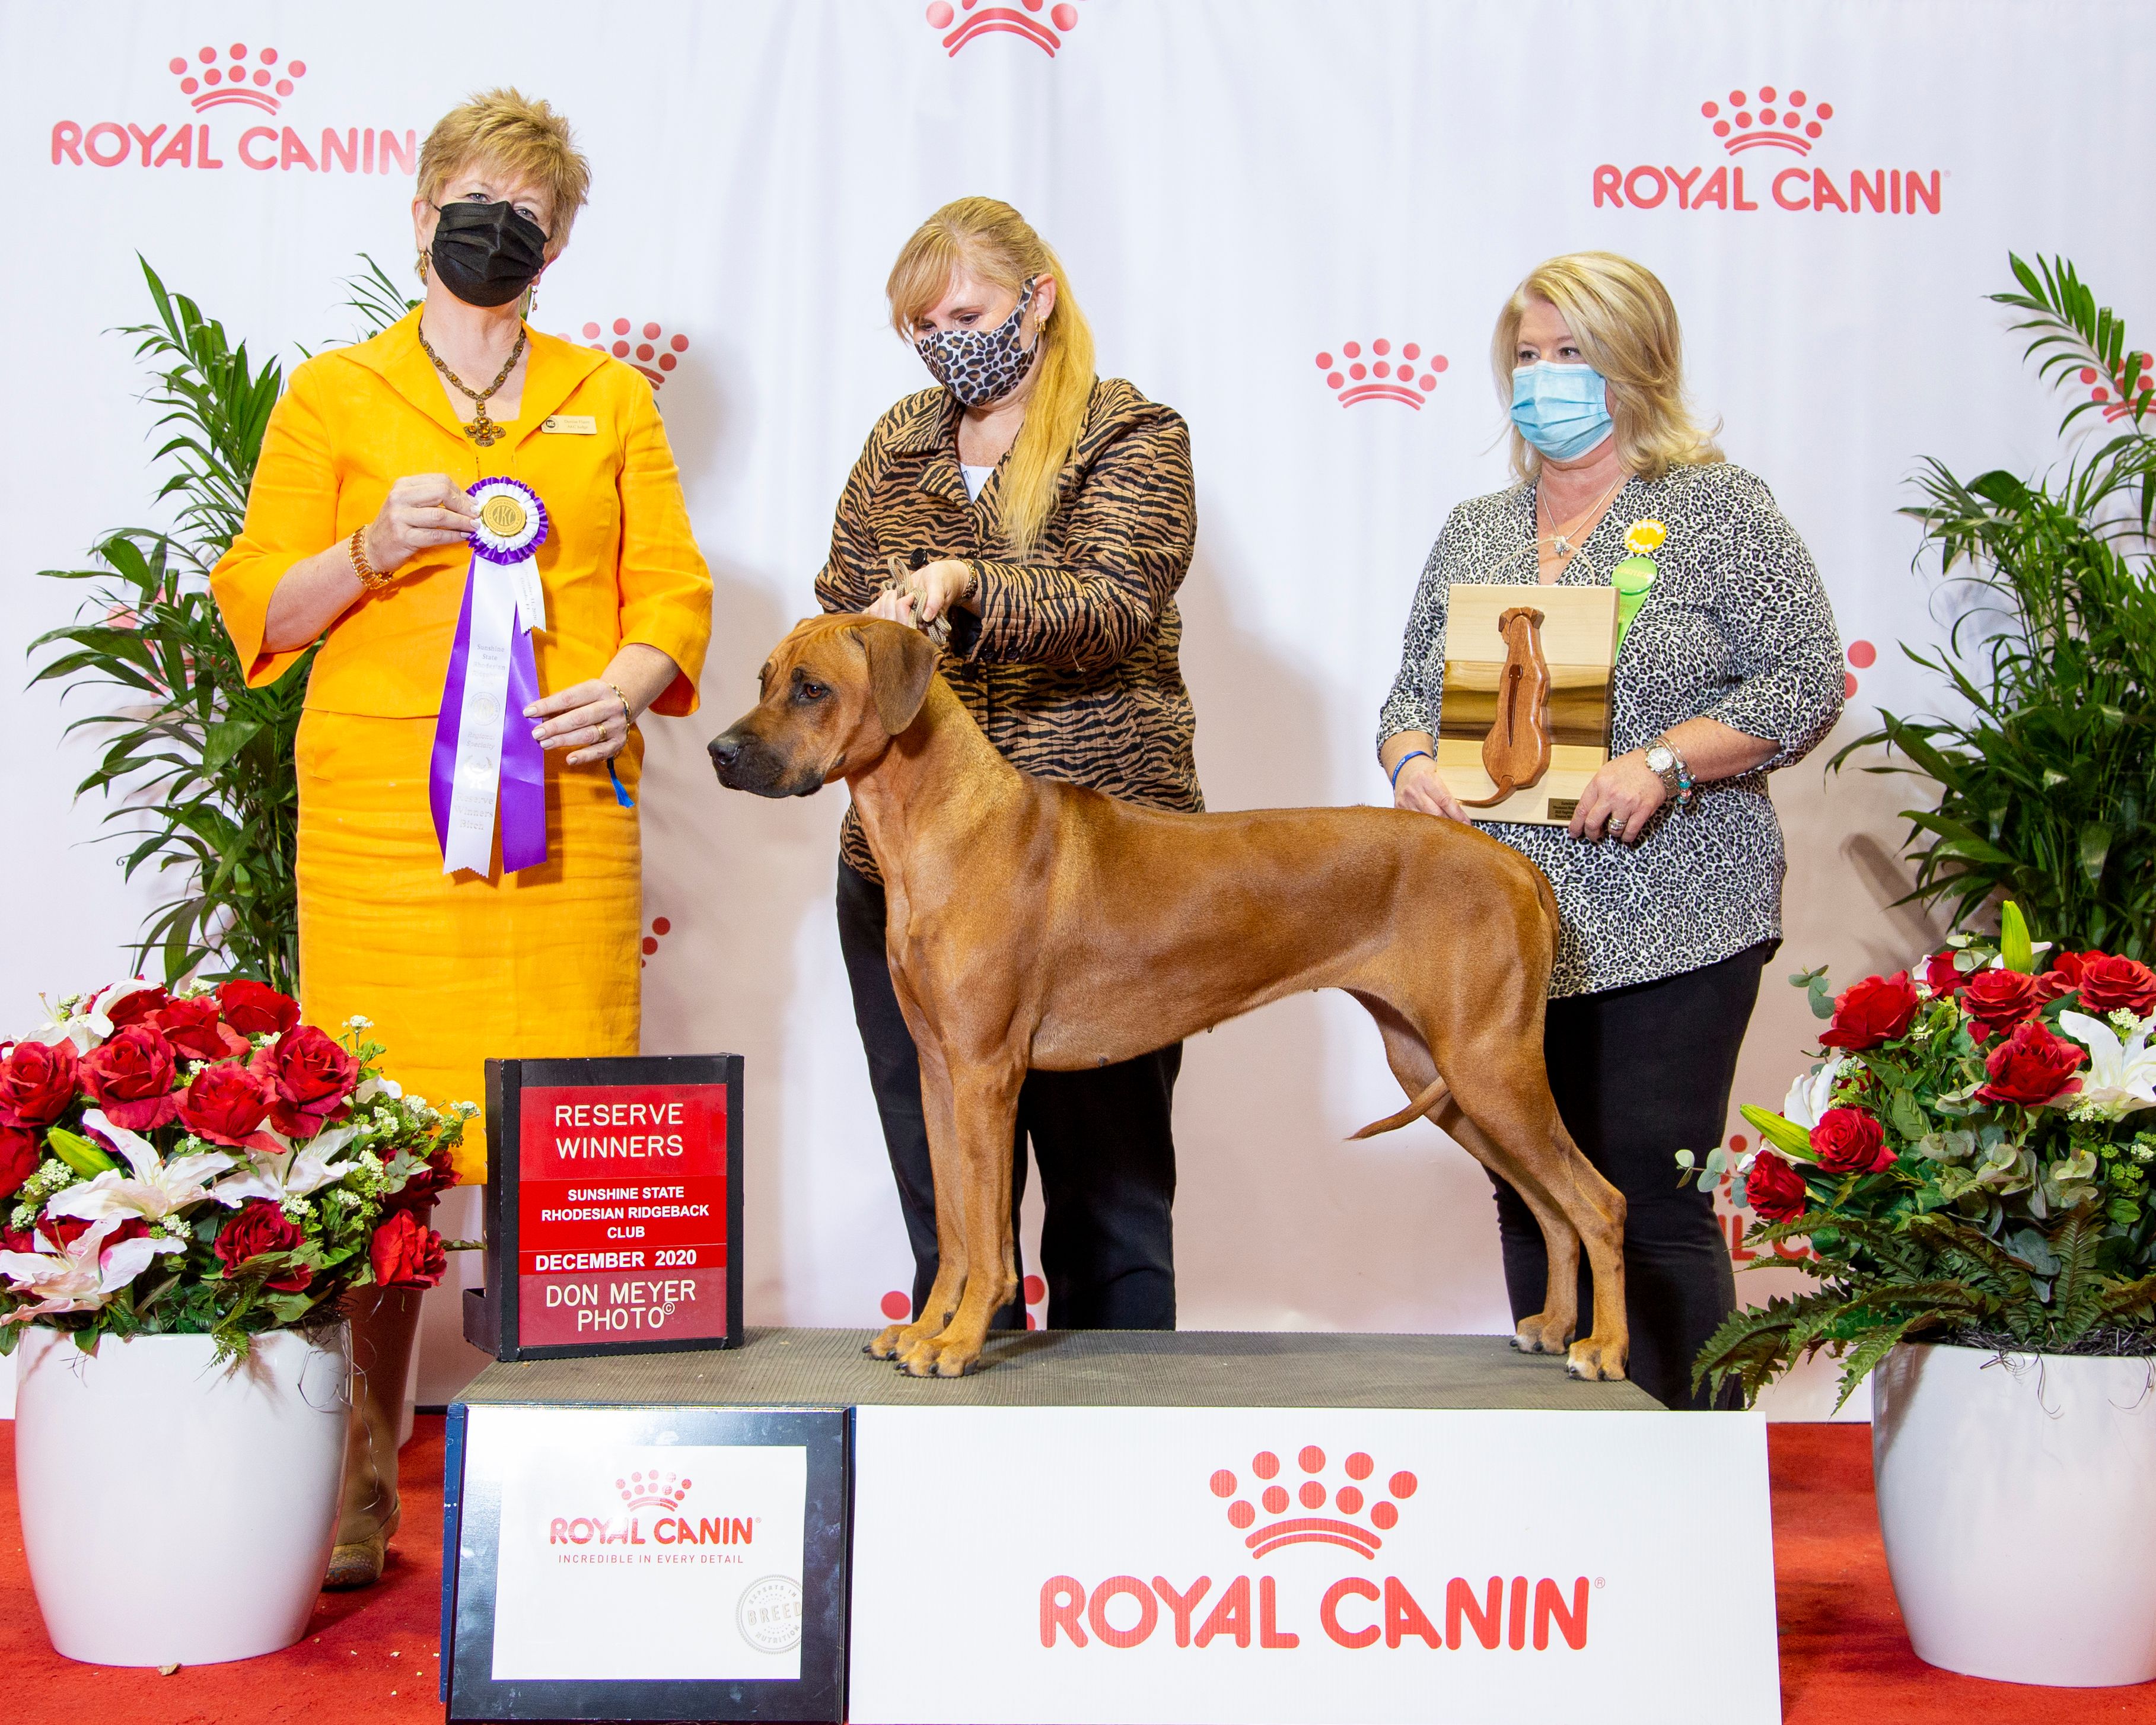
492 1314
471 1547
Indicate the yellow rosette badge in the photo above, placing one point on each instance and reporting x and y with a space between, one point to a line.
1636 573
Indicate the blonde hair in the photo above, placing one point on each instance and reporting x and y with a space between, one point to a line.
506 129
1626 326
988 240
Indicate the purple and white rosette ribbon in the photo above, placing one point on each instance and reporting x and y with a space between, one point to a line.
484 754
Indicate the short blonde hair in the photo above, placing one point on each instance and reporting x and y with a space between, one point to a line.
986 238
506 129
1626 326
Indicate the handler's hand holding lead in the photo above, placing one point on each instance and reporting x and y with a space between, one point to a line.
1619 801
937 587
893 606
422 511
589 718
1421 788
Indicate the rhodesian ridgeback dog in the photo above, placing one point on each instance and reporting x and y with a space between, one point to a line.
1039 924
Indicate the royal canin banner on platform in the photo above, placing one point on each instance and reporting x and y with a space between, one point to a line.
1295 223
1283 1565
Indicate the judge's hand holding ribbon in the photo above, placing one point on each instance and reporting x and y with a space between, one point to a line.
422 511
591 719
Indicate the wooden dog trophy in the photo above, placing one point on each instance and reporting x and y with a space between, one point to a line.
1521 733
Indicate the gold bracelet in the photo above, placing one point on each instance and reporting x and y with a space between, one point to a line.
627 717
370 577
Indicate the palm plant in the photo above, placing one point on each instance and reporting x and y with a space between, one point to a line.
198 768
2047 777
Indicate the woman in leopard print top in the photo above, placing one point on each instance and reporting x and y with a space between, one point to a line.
1669 906
1045 517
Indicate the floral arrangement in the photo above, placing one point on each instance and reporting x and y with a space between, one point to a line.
199 1161
1967 1162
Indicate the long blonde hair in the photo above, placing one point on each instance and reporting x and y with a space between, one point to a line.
1626 326
988 240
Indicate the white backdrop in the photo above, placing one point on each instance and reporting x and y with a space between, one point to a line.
1235 189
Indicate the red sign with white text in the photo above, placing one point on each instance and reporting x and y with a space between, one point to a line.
621 1224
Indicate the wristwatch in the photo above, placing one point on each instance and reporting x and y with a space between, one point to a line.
1667 765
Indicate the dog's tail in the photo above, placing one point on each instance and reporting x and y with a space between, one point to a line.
1434 1093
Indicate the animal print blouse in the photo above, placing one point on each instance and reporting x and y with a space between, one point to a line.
1736 628
1070 663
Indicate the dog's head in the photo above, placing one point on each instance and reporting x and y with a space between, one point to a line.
835 691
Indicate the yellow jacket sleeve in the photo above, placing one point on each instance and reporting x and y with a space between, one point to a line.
291 514
666 589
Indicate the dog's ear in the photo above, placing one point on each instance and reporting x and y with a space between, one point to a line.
901 662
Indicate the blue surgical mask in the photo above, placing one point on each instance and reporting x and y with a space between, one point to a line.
1563 410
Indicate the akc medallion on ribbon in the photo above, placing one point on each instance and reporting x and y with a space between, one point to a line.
484 758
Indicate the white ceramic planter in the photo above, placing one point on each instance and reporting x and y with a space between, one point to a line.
2017 1500
175 1511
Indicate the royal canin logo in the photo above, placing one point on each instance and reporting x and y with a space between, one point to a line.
1381 376
1770 118
1752 123
259 79
265 85
651 350
1348 1499
1125 1610
2118 396
665 1492
973 21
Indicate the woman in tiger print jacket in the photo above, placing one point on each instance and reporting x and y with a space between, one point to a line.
1045 518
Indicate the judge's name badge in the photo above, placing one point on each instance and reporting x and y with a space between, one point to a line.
571 424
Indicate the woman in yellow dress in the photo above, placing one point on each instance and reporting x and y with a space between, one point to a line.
357 535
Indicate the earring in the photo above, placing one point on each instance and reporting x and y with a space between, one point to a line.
419 267
531 300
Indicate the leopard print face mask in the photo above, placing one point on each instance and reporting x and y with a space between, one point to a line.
981 366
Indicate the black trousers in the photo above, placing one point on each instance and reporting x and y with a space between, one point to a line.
1639 1073
1101 1138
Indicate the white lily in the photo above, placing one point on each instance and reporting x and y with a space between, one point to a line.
158 1189
86 1030
290 1174
81 1275
2121 1076
369 1088
1812 1095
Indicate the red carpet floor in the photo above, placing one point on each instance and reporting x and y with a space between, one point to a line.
371 1657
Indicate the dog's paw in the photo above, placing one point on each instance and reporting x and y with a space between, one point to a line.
1595 1361
886 1344
1541 1334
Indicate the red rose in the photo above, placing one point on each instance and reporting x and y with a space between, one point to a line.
1997 1000
433 1177
65 1231
194 1028
1943 975
312 1078
1774 1190
2031 1067
130 1076
225 1103
20 1154
256 1008
256 1227
2107 984
406 1253
38 1082
133 1007
2065 974
1849 1140
1877 1010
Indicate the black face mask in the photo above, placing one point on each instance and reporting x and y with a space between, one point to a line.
486 253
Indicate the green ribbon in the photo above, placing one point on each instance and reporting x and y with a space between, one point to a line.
1632 578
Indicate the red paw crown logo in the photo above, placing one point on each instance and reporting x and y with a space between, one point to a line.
2118 397
653 1491
1778 120
1382 377
262 86
650 349
974 20
1348 1500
